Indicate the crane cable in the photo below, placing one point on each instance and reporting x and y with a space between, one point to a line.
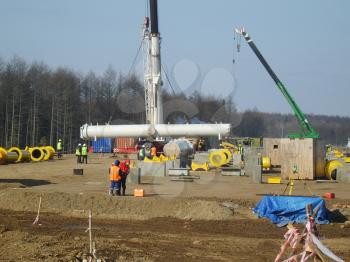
135 58
143 38
167 78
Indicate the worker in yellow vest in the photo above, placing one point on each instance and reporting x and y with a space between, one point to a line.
84 154
114 178
59 148
78 153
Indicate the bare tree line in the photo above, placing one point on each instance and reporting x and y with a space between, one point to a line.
39 105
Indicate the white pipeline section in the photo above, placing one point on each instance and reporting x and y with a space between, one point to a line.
161 130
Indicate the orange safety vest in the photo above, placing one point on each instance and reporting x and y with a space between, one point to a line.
114 174
154 151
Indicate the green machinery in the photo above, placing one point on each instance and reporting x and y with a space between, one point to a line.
307 131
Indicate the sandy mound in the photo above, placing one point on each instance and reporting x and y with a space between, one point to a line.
114 207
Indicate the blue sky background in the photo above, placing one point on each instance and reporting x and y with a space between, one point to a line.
307 43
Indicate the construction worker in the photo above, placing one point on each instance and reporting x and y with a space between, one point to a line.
78 153
153 151
84 154
59 148
125 169
241 151
142 153
114 177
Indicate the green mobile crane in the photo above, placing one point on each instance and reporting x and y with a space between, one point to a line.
307 131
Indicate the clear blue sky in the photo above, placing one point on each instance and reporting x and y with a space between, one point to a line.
307 43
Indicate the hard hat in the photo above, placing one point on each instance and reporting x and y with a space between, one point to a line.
79 144
84 145
116 162
59 140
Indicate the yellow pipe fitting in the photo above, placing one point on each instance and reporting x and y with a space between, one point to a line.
49 152
330 167
36 154
3 156
22 155
266 163
199 167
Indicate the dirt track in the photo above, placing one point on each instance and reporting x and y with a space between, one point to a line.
176 221
163 239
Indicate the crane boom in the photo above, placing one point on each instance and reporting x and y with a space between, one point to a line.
307 131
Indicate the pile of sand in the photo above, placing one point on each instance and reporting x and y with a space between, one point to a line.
114 207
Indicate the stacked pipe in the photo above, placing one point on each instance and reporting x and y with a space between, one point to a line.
17 155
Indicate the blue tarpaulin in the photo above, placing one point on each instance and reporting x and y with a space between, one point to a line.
282 210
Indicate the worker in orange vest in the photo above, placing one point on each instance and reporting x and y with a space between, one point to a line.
153 151
125 169
115 178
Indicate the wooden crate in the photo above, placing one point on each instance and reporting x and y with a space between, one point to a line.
298 158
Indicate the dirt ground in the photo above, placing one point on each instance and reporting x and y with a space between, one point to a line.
205 220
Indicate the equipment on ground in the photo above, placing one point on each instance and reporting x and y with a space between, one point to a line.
307 131
230 146
178 147
139 192
36 154
200 166
274 180
282 210
291 184
7 157
22 155
220 157
266 163
181 174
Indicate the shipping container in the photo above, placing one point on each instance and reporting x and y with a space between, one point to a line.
125 144
102 145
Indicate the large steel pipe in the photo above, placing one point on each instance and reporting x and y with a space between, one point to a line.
36 154
3 155
161 130
7 157
22 155
49 152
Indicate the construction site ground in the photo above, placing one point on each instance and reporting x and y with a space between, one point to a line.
209 219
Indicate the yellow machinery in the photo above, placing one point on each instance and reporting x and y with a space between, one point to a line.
274 180
230 146
331 166
199 167
161 158
347 157
154 159
266 163
22 155
220 157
